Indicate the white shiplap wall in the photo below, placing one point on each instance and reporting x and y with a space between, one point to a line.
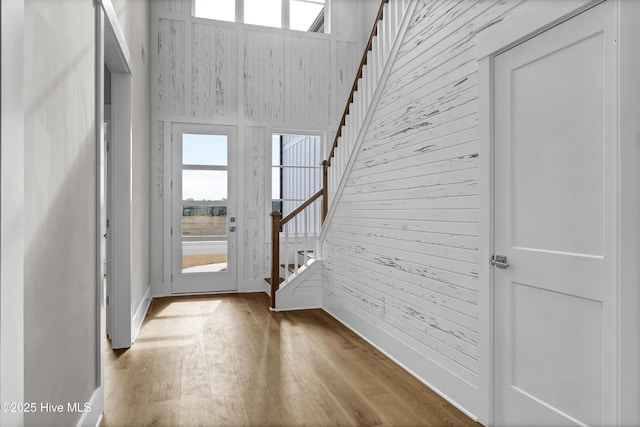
257 79
401 250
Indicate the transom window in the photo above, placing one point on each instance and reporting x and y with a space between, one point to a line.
302 15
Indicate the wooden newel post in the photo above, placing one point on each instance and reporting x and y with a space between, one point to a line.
325 189
275 255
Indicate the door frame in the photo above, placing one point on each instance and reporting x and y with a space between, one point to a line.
524 23
112 50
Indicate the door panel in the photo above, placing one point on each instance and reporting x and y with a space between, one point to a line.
203 209
555 220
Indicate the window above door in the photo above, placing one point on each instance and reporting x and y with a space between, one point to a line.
301 15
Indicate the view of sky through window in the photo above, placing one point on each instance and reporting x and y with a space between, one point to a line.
224 10
204 150
263 12
205 185
302 13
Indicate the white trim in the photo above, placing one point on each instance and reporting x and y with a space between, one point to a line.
140 314
401 354
486 241
526 21
120 57
629 250
93 418
99 141
115 54
11 210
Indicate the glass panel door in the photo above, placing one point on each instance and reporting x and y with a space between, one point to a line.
203 213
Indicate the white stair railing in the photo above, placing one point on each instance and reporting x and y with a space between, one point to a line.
370 71
293 235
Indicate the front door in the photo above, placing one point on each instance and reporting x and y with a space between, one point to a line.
555 221
204 223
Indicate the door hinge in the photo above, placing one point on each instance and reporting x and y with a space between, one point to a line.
107 222
108 146
172 277
172 231
107 299
499 261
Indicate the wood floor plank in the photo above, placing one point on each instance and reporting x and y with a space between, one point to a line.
227 360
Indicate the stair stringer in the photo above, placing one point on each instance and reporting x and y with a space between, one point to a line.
302 290
384 77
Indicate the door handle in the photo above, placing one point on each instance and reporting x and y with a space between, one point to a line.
500 261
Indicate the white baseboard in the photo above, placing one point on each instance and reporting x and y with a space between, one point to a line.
429 373
93 417
310 299
141 312
250 286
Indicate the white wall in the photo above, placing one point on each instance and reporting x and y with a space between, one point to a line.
11 209
60 206
401 251
255 78
366 14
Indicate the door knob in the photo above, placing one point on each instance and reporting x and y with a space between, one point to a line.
499 261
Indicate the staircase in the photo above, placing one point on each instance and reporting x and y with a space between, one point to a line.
295 281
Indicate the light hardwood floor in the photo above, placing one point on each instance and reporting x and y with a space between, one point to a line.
226 360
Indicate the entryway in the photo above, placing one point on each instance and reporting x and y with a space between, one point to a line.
204 221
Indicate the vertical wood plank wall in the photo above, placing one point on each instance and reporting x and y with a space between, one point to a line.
256 236
257 79
401 252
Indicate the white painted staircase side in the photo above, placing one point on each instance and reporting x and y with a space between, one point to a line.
303 289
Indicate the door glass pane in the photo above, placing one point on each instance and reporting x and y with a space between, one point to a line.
276 173
204 237
204 204
204 185
204 220
210 150
204 256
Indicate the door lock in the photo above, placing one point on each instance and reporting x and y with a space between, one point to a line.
232 229
499 261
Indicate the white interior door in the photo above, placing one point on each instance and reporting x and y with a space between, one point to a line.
204 222
556 222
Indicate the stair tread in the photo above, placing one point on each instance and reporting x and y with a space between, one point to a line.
290 267
268 280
